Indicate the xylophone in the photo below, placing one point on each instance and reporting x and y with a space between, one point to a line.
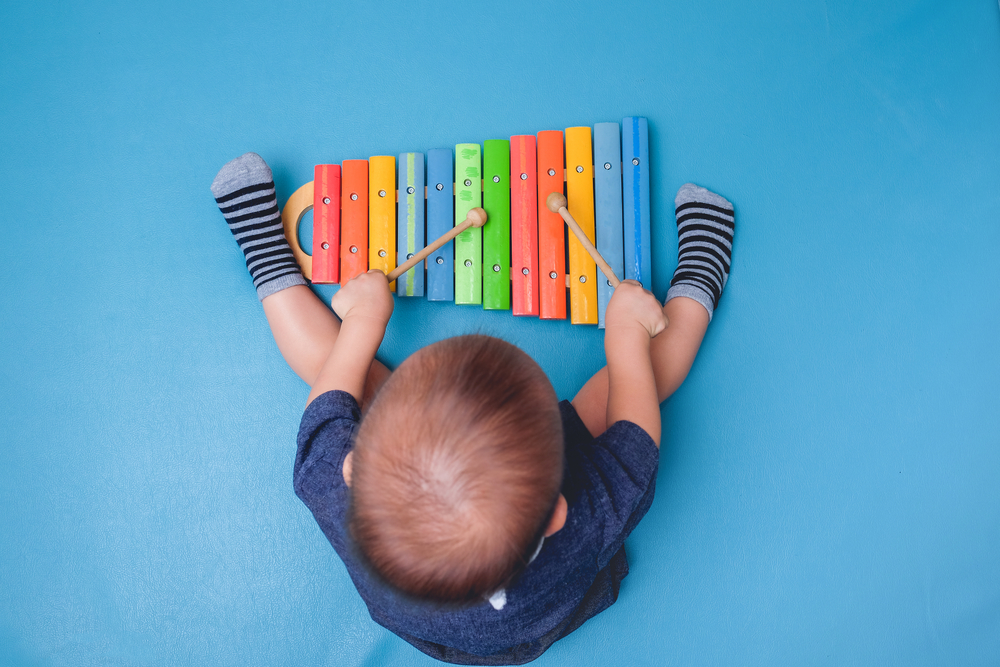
369 214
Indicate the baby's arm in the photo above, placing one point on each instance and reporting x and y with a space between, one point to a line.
672 353
633 318
364 306
705 227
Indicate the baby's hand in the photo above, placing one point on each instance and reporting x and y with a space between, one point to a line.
633 306
366 295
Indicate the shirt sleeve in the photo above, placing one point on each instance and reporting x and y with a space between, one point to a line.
620 466
326 435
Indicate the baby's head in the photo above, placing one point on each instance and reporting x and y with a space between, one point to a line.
457 469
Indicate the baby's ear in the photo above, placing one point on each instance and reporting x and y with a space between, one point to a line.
558 519
348 467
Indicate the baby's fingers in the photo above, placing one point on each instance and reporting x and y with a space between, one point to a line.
658 324
652 316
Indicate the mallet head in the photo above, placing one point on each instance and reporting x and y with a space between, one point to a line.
477 216
555 201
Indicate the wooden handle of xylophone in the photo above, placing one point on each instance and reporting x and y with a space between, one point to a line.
300 203
476 218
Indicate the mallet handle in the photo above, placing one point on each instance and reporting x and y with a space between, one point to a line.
605 268
471 221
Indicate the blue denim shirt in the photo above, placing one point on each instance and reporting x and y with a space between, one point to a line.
608 484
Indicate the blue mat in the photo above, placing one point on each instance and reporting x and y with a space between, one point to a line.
828 487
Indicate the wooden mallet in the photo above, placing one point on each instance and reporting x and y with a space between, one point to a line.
476 218
556 203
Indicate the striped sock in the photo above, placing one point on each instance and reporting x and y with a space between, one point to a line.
705 226
244 190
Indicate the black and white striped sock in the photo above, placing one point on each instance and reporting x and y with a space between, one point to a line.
244 191
705 226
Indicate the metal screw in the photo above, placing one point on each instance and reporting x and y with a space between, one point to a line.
354 248
381 253
410 190
468 182
325 246
583 279
524 270
496 179
607 165
553 275
635 161
579 169
552 172
609 283
409 255
440 260
354 196
440 186
524 177
326 200
468 262
496 268
381 193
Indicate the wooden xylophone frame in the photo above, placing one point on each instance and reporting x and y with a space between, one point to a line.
367 214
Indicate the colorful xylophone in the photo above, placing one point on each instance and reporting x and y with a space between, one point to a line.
369 214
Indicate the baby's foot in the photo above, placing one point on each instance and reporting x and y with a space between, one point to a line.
244 191
705 226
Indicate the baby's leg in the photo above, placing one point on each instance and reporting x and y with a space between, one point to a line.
705 224
303 327
305 330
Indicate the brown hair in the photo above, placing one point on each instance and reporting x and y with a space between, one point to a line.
457 467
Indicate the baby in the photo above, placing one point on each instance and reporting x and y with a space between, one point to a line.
479 518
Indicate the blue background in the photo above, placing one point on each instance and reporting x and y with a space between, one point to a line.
828 492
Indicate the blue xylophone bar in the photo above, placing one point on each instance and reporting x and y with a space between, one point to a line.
635 193
440 218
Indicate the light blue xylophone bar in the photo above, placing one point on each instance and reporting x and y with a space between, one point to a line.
440 218
608 208
635 205
410 222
